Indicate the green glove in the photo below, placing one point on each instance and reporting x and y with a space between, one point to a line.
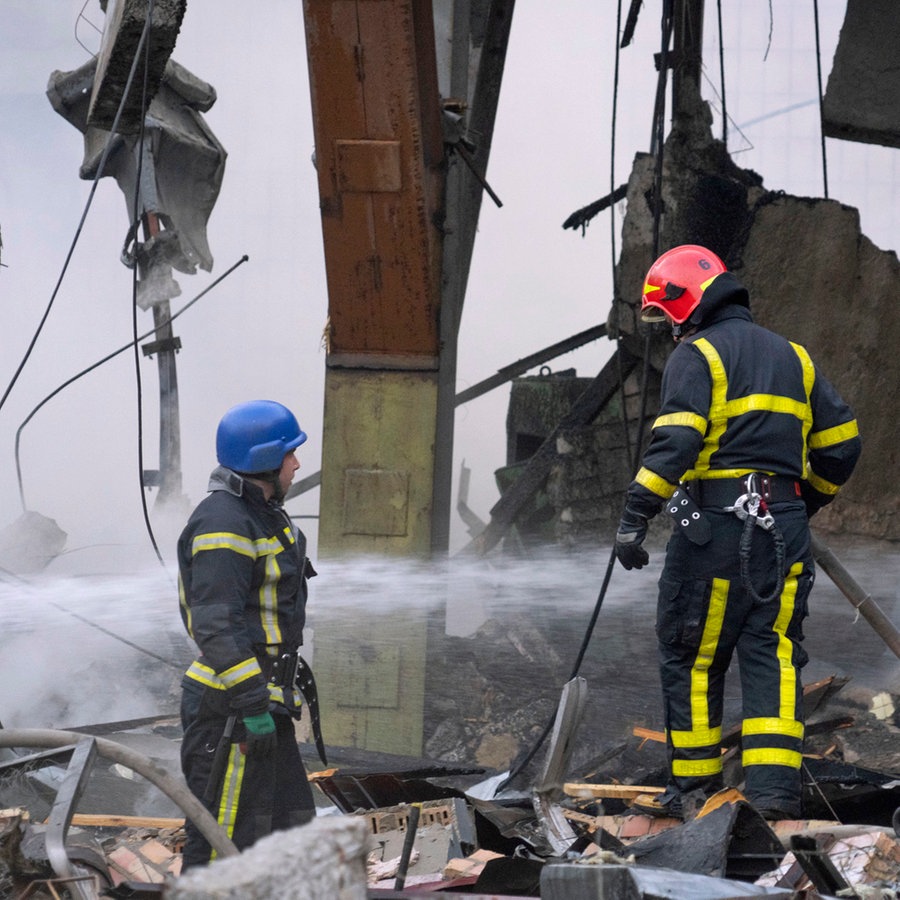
261 736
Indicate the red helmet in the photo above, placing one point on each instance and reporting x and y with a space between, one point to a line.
676 282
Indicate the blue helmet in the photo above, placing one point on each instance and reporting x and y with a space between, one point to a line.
254 437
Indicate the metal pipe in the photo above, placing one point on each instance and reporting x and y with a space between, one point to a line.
174 788
851 589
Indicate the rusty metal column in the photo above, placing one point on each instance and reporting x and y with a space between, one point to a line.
379 155
379 160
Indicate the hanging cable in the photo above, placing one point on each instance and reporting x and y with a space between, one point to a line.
81 17
136 216
722 75
106 359
99 174
821 99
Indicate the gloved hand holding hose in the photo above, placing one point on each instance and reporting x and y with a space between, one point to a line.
261 736
629 540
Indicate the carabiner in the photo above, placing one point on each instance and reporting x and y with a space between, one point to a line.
748 505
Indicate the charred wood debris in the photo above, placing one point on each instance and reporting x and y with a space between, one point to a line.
564 825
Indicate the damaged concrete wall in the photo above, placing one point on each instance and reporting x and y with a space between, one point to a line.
813 277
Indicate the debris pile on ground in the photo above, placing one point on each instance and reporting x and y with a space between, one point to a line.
391 826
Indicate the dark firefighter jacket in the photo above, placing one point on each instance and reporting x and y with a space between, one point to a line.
737 398
242 586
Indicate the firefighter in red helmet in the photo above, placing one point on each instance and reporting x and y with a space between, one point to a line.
750 441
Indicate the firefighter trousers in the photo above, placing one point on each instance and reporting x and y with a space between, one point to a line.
706 616
256 794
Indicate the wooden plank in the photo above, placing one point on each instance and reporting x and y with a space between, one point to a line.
86 820
609 791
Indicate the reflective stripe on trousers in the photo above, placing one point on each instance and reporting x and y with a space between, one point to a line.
701 623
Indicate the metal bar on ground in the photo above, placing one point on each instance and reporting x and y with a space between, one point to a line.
867 607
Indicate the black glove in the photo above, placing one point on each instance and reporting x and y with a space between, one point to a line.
629 538
813 499
261 735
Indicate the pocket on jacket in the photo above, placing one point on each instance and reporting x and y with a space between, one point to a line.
681 611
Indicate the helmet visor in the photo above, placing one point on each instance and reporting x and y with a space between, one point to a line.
652 313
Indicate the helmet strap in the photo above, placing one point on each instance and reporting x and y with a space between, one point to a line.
274 479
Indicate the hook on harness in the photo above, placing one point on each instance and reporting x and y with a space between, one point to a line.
749 504
752 510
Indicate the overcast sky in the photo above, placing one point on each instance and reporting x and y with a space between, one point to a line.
259 333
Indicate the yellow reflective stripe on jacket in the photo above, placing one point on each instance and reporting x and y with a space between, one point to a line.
208 678
820 484
185 607
718 421
227 540
197 671
267 548
223 540
721 409
687 419
655 483
268 601
268 591
829 437
240 672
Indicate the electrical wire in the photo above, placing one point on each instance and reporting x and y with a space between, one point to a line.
104 360
821 99
99 174
81 17
722 75
137 214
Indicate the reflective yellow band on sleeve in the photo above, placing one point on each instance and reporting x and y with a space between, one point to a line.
688 768
702 737
772 756
205 675
223 540
226 540
773 725
820 484
686 419
655 483
828 437
241 672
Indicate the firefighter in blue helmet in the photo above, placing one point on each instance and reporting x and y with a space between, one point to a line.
243 586
751 440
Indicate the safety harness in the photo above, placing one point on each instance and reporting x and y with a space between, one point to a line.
753 510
